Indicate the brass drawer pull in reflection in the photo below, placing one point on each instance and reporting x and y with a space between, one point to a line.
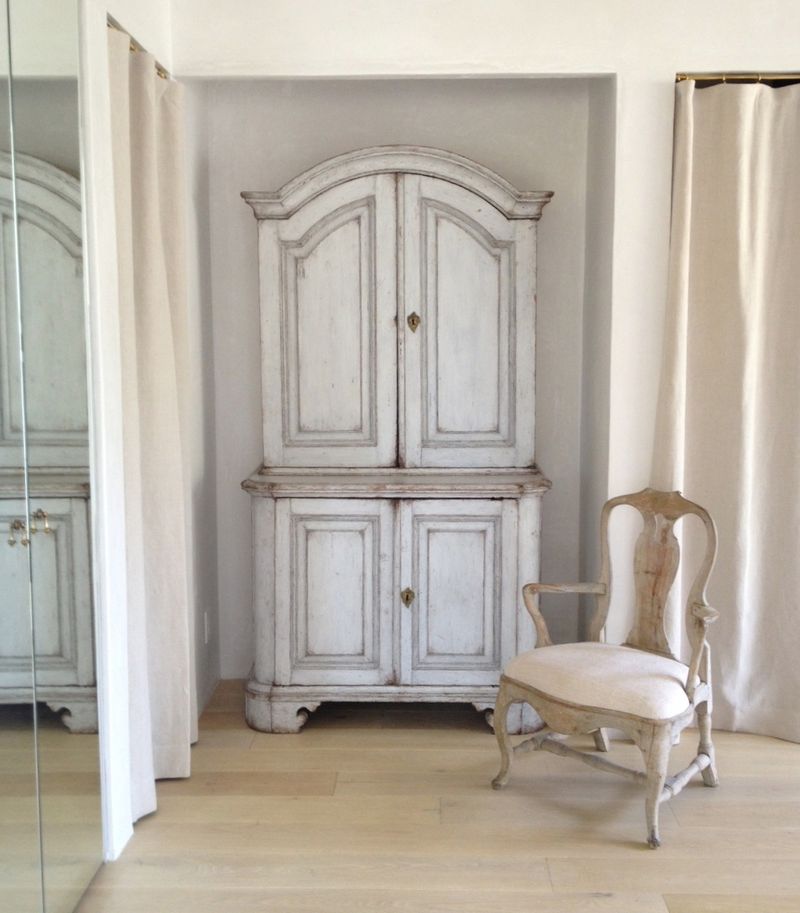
407 596
41 515
414 320
17 526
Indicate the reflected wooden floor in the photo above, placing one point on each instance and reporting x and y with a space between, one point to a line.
69 783
388 808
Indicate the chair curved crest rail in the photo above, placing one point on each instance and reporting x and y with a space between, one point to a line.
639 687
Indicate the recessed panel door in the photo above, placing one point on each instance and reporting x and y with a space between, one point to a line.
458 571
57 535
329 332
334 570
467 321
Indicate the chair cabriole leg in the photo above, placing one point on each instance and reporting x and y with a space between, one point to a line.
656 757
504 701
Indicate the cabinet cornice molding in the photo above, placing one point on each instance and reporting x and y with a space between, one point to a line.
437 163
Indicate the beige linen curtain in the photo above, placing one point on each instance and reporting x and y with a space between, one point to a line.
149 182
728 426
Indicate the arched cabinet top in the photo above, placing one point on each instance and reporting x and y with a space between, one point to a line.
436 163
38 173
46 196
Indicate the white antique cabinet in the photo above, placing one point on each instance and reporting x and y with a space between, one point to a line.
396 514
54 532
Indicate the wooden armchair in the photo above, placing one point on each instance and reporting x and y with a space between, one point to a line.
639 687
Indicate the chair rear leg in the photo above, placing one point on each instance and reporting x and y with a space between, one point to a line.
504 701
706 746
656 758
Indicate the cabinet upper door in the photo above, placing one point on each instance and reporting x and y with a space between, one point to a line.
44 221
329 332
468 273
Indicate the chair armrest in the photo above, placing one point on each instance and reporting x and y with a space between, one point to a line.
530 595
706 616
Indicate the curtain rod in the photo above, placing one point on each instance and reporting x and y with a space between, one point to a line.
738 77
136 47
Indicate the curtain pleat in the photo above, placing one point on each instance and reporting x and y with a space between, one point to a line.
148 172
728 421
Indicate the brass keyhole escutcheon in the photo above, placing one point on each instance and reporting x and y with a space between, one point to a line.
414 320
407 596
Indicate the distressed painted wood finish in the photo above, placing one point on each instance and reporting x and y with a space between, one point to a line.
398 502
429 270
331 623
328 308
468 371
61 606
403 483
47 211
439 163
656 561
459 557
334 592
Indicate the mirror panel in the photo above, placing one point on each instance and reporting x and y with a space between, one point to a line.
44 59
20 845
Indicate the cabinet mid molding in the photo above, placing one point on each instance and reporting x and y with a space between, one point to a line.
397 510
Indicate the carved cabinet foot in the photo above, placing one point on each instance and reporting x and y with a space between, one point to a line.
522 718
290 717
77 716
277 716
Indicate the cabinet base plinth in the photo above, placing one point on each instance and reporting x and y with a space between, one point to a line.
286 708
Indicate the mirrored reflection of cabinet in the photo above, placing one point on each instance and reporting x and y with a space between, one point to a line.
51 303
53 411
397 511
56 531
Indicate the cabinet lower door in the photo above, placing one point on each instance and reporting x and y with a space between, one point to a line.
61 592
459 557
334 592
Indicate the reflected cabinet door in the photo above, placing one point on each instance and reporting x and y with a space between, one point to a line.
57 534
62 604
329 337
334 591
16 661
459 559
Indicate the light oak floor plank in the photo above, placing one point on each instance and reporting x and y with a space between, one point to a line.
357 900
389 808
742 903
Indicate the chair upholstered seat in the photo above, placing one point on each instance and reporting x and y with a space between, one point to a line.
605 676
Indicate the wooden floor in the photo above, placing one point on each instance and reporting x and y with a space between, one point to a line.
69 798
388 808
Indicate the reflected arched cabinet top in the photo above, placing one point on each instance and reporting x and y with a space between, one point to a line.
47 209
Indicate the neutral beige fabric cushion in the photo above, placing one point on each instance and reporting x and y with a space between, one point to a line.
605 676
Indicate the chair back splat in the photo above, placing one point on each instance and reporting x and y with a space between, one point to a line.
655 566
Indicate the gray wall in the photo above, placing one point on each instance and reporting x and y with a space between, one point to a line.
260 133
46 121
